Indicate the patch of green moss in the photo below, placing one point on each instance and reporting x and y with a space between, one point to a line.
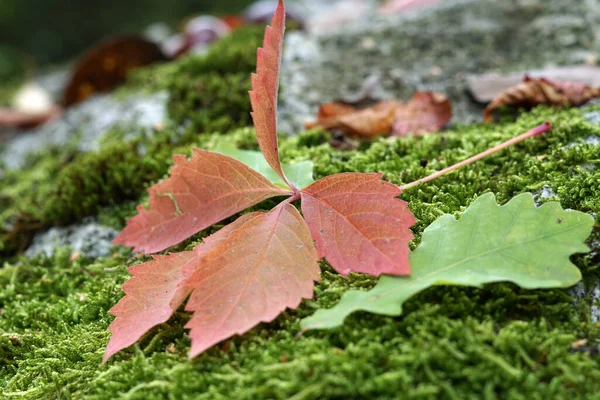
450 343
497 342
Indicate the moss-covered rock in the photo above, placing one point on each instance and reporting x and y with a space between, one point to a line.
456 343
450 343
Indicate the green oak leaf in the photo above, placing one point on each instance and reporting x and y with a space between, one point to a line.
300 173
517 242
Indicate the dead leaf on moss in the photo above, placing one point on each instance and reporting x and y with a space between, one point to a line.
24 120
364 123
533 92
485 88
425 112
107 64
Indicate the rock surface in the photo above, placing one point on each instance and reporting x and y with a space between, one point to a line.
88 238
87 123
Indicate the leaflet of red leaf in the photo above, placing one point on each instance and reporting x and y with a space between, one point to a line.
533 92
264 267
158 288
199 193
358 223
211 242
265 84
151 297
426 112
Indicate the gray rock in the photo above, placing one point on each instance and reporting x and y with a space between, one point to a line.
591 291
433 48
593 117
580 291
543 194
593 140
88 238
87 123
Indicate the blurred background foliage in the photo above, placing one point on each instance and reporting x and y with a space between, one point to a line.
37 33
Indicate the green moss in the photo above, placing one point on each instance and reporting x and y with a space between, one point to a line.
451 342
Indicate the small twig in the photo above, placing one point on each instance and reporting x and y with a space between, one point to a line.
538 130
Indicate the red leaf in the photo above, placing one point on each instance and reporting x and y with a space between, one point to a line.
200 192
157 289
213 241
265 84
264 267
358 223
151 297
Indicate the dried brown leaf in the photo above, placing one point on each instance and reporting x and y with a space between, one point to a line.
533 92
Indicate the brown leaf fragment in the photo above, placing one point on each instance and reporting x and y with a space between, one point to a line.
334 110
487 87
364 123
24 120
426 112
369 122
533 92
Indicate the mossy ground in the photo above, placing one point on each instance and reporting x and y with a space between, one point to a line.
455 343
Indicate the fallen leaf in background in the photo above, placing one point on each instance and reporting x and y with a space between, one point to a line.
31 106
23 120
396 6
425 112
533 92
107 64
487 87
364 123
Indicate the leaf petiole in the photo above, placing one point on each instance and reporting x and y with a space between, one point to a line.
538 130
